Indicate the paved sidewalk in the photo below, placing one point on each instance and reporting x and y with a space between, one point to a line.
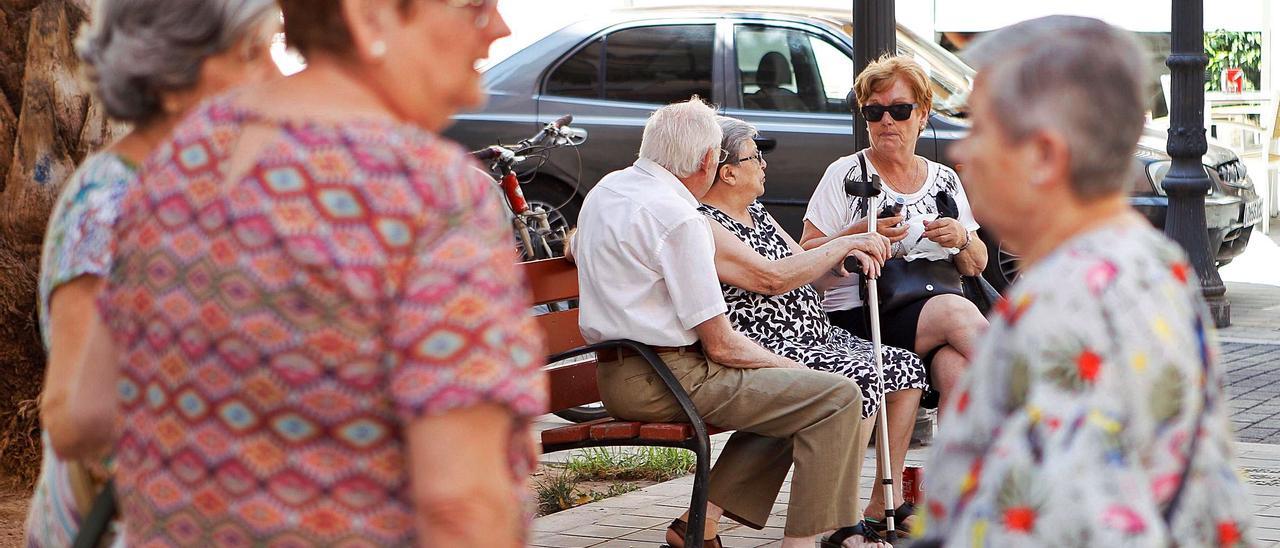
640 518
1253 388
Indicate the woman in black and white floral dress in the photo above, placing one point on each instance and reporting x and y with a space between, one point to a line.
772 289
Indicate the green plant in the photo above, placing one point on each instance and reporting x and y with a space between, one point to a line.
1228 49
645 463
556 491
613 491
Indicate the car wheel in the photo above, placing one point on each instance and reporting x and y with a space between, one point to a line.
1003 266
561 204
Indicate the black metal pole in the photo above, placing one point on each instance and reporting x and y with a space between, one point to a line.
875 33
1187 181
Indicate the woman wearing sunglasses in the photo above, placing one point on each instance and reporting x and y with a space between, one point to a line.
934 223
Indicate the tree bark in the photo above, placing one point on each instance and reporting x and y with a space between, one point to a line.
48 124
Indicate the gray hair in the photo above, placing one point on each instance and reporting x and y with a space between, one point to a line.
135 50
1077 76
736 134
679 135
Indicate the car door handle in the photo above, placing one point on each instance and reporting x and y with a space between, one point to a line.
765 143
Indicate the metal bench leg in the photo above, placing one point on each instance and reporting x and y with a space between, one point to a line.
698 502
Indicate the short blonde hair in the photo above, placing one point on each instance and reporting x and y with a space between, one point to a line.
881 73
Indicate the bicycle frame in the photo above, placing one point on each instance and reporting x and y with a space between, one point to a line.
530 224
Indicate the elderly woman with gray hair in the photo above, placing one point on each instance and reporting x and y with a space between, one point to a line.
1094 411
773 289
149 62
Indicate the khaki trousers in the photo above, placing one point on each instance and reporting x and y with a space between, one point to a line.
780 416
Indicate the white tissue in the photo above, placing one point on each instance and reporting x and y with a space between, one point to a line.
919 247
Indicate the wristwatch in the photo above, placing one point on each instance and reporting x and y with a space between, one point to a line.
968 239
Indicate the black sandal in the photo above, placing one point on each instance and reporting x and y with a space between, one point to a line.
680 527
862 529
900 515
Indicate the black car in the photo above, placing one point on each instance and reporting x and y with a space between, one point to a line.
786 71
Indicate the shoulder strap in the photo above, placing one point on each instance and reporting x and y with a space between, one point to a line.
98 521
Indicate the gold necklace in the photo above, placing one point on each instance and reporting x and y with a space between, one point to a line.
915 169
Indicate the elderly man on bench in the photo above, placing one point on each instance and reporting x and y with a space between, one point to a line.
646 271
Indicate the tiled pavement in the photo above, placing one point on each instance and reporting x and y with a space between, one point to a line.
640 518
1253 386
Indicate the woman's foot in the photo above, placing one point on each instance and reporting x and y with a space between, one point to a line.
904 518
860 535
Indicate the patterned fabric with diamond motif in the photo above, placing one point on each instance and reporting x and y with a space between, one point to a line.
279 328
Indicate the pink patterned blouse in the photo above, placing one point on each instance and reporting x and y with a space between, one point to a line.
279 328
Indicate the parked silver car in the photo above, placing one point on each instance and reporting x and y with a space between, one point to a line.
786 71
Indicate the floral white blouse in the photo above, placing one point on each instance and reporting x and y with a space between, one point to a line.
1074 425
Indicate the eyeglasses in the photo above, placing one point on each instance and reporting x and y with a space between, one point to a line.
899 112
481 7
724 157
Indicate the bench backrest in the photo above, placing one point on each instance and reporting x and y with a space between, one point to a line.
573 382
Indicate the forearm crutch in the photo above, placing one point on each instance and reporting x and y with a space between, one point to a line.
869 190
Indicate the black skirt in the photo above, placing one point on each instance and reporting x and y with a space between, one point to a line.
896 329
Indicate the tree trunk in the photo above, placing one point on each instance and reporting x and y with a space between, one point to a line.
48 124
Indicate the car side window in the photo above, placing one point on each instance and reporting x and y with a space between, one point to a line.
790 70
657 65
579 75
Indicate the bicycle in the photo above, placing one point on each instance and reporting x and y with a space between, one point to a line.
534 235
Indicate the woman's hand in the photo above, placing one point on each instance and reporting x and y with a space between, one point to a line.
876 246
891 227
946 232
870 266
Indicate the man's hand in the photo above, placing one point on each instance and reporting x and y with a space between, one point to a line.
786 363
946 232
568 244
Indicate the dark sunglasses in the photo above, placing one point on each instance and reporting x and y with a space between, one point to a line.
899 112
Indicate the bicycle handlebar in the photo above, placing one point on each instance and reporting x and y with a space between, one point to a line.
557 132
488 153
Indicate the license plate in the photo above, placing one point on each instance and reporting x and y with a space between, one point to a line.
1252 212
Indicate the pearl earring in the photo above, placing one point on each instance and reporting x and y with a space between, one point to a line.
378 49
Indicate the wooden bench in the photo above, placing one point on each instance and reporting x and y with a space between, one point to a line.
574 384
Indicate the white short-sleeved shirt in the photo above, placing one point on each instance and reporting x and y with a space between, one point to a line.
831 210
646 260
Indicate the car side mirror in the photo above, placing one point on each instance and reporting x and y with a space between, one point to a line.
848 101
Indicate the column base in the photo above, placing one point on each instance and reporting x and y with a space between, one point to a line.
1220 309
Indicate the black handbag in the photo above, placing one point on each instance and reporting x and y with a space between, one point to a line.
904 282
981 293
